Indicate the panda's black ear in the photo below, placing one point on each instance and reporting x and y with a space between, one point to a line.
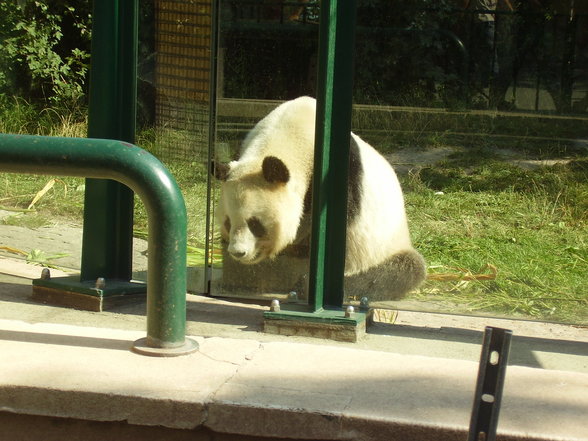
274 170
219 170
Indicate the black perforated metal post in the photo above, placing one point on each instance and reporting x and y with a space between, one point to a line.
491 375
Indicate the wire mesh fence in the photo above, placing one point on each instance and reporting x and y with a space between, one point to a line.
182 77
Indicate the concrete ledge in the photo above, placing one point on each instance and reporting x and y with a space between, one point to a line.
408 380
272 389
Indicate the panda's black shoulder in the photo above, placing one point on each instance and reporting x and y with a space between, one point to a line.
354 190
354 185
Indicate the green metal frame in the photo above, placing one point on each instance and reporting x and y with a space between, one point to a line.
331 159
213 89
331 167
137 169
108 208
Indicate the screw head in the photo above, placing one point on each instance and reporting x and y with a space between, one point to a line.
292 296
275 305
100 283
364 303
45 274
349 311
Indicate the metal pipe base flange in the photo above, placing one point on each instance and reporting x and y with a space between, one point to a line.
141 347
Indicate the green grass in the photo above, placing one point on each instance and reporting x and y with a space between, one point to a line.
19 116
192 180
531 225
473 210
64 200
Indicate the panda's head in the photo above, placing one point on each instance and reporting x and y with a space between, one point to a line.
258 210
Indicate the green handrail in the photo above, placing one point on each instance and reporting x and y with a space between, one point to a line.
148 177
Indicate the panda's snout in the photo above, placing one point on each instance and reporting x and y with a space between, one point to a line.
239 251
243 254
244 246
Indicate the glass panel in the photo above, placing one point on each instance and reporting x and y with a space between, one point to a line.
484 115
267 54
173 110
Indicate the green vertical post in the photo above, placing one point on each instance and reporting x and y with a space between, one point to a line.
329 205
331 160
108 205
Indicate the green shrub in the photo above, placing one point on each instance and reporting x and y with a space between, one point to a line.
36 61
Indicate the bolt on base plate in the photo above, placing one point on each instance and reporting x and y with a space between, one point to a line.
188 347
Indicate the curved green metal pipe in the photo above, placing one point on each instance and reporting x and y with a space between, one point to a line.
146 176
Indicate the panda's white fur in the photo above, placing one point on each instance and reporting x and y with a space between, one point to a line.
262 204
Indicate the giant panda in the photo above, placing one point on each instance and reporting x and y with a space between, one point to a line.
265 199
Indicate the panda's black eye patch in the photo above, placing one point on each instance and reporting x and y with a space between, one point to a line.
227 224
256 228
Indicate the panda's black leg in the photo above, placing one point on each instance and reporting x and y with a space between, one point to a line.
391 280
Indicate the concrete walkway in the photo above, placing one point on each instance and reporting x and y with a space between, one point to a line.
413 380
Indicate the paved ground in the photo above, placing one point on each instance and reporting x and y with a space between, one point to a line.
57 239
536 344
410 380
279 389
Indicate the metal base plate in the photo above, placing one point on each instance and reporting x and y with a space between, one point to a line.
141 347
70 292
329 324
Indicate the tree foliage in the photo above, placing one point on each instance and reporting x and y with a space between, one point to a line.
37 60
405 51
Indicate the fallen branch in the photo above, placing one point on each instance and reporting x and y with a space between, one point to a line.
14 250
